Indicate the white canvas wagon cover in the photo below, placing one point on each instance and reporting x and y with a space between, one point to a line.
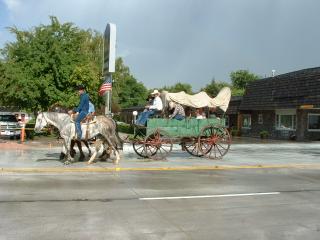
201 99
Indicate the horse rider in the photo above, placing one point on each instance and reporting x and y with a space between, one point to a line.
150 109
82 109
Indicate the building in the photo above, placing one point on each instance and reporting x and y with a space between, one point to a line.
232 112
286 106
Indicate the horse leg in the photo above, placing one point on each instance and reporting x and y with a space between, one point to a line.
116 161
88 147
97 146
81 158
72 151
62 156
67 143
62 153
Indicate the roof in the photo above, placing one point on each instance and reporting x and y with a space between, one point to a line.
234 105
288 90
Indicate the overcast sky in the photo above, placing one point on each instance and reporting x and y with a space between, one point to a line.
191 41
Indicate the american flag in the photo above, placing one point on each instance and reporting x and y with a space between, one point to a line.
106 86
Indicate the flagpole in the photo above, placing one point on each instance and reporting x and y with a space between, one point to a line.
109 53
108 99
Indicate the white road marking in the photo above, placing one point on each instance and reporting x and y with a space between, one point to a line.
211 196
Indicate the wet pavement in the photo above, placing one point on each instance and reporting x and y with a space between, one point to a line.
280 201
44 153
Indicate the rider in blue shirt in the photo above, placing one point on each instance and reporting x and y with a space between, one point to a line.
82 109
91 108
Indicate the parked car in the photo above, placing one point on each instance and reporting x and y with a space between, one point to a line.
9 126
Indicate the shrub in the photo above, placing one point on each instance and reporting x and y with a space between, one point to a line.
125 128
235 132
264 134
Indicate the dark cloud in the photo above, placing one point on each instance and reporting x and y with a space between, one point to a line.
166 41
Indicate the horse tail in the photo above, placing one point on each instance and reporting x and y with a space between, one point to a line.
119 140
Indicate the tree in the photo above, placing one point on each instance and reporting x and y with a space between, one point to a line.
43 65
178 87
213 88
127 91
241 78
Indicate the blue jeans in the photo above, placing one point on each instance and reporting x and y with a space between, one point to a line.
79 118
178 117
143 117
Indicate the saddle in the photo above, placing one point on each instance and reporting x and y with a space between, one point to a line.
89 119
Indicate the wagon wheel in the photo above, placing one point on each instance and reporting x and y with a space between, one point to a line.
192 147
158 145
214 142
139 142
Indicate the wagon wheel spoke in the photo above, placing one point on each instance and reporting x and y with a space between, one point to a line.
161 143
138 144
192 147
214 142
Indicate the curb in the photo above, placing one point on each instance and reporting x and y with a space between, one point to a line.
123 169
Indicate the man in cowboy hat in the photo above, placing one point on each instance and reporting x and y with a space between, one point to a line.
150 109
82 109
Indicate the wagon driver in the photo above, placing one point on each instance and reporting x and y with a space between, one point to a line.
150 109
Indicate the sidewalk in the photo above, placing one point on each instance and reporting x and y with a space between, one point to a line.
43 155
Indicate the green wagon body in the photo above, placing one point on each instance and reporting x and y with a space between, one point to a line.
184 128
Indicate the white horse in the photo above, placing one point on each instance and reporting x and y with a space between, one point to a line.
101 127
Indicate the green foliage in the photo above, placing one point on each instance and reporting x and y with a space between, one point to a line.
213 88
264 134
237 91
125 128
241 78
127 91
178 87
43 65
235 132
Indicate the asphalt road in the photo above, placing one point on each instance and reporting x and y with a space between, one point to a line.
212 204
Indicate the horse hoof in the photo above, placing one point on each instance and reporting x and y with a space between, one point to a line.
67 162
62 156
73 153
116 162
81 158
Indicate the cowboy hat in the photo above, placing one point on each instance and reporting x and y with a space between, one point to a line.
155 92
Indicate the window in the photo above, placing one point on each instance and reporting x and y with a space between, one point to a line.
286 119
246 121
313 122
260 118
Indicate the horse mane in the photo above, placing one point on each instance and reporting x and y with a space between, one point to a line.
57 117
